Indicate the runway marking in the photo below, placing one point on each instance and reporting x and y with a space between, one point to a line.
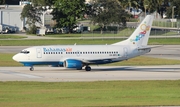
19 74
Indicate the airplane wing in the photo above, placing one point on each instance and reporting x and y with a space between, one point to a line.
148 47
97 61
93 61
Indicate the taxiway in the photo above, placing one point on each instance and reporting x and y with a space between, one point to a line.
102 73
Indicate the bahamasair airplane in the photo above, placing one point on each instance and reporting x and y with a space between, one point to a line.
79 56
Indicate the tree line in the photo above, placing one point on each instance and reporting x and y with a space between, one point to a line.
66 13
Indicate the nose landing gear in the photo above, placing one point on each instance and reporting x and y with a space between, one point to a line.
32 68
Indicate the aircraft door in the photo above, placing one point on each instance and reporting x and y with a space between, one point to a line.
39 53
125 52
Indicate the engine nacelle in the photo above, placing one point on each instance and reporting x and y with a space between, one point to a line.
58 65
71 63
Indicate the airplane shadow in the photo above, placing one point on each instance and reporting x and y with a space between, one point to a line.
118 69
150 69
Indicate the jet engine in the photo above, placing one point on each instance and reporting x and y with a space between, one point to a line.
71 63
58 65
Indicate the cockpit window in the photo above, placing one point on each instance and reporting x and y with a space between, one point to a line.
25 52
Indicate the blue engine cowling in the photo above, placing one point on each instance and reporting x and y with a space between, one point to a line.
71 63
61 64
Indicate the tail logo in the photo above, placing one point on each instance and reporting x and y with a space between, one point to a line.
144 29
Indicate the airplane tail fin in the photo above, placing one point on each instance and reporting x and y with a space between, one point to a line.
141 35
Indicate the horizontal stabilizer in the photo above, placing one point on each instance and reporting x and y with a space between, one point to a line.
148 47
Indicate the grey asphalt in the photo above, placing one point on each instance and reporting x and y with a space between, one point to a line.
101 73
166 52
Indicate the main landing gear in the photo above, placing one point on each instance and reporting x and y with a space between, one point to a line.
88 68
32 68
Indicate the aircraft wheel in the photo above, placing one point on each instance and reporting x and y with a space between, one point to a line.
31 69
88 68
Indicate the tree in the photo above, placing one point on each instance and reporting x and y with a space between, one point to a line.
32 15
154 5
32 12
175 5
2 2
43 4
105 12
66 12
149 6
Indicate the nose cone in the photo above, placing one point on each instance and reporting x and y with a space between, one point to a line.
15 57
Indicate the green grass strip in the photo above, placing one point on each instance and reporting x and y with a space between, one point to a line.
54 42
9 36
6 60
37 42
107 93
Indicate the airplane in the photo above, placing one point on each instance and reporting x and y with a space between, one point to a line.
79 56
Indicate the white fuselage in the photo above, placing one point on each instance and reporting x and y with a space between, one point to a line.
92 54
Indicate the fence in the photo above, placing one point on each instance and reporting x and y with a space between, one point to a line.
127 32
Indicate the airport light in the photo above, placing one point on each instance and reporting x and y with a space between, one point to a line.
173 14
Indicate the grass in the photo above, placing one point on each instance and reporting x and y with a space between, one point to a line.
5 36
53 42
164 41
163 33
144 61
107 93
6 60
122 33
37 42
164 24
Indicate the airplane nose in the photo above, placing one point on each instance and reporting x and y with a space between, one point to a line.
15 57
